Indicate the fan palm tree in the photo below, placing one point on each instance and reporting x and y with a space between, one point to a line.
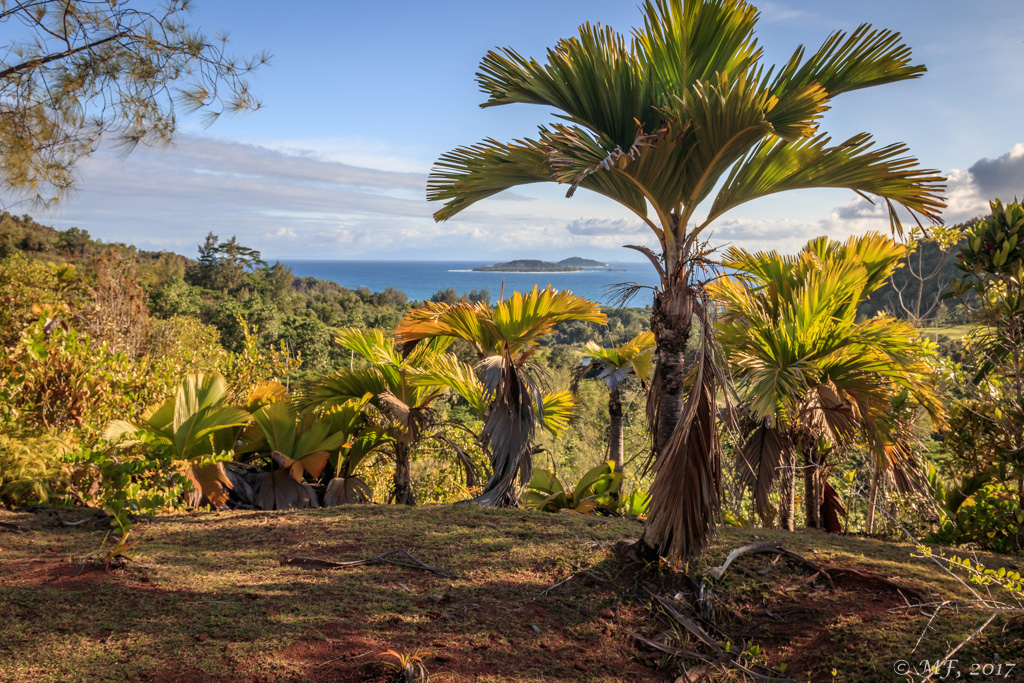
613 366
397 390
810 375
680 123
510 396
197 426
300 447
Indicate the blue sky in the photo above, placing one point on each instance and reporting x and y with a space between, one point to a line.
361 98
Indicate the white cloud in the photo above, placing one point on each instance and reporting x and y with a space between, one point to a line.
606 226
778 12
303 206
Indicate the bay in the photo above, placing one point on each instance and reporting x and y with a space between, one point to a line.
420 280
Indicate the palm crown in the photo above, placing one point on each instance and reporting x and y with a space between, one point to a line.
508 396
807 369
656 121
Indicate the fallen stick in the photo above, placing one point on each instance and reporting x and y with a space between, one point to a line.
390 557
841 576
723 659
579 570
717 573
7 526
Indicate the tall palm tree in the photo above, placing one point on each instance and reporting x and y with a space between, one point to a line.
613 367
809 373
395 387
681 122
510 395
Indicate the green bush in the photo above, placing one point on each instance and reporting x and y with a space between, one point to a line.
990 518
126 482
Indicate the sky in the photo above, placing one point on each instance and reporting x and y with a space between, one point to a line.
360 99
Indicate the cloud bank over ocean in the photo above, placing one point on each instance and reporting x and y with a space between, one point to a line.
300 204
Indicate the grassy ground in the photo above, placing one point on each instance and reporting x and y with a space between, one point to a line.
946 332
207 599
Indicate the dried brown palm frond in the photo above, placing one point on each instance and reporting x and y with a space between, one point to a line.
277 490
687 489
758 460
621 293
347 491
832 509
508 430
469 467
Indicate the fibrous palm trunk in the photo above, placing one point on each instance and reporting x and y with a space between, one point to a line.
813 485
403 475
685 494
869 520
787 490
615 445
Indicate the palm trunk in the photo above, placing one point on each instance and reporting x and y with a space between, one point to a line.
403 475
671 319
869 522
615 445
787 490
813 486
810 513
686 491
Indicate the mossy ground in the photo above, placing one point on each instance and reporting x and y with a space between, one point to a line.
207 599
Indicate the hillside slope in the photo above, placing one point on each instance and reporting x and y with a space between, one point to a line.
539 597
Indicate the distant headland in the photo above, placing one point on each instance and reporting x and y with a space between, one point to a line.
573 264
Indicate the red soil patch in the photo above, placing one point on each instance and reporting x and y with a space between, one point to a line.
45 571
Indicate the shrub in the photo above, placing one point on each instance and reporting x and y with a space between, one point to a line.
990 518
33 467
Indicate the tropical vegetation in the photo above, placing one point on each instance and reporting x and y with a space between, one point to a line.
813 378
509 394
136 383
681 115
613 367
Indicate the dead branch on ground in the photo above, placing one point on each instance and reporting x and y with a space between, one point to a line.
398 557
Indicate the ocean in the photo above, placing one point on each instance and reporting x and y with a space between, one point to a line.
420 280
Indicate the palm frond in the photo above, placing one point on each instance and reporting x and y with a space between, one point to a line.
685 43
338 388
845 62
466 175
556 411
594 78
758 461
686 490
777 166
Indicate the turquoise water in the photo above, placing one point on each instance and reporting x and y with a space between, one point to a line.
420 280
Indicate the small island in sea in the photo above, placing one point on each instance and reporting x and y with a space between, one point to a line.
573 264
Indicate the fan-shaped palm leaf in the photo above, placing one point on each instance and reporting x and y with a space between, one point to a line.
189 423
